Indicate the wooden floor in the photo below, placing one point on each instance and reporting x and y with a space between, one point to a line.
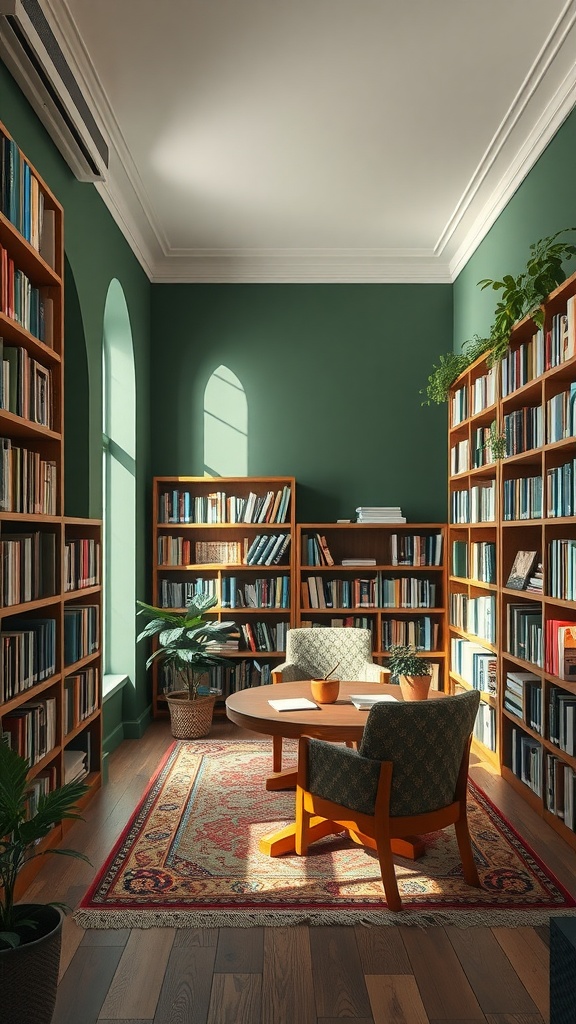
295 975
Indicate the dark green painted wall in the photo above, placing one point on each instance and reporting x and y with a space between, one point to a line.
96 252
544 203
332 375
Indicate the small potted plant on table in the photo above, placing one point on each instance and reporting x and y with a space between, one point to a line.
411 670
30 933
190 644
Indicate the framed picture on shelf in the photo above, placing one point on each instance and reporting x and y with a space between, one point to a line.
524 564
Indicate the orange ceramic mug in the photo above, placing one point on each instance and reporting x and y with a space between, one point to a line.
325 691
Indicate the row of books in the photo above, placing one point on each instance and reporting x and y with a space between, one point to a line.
80 697
376 592
525 634
561 648
181 506
27 655
459 406
267 549
28 567
561 569
25 385
81 632
523 698
485 725
460 457
416 549
561 712
28 483
523 364
315 550
523 429
561 415
526 760
522 498
483 391
21 198
268 592
42 784
379 514
179 594
561 790
341 622
474 664
482 454
475 615
32 728
421 633
476 562
474 505
264 636
22 302
561 490
82 561
226 679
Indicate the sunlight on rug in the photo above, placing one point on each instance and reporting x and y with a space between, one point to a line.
189 857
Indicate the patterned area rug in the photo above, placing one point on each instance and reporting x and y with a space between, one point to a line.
189 857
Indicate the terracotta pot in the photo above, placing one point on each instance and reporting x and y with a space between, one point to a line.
415 687
325 691
29 973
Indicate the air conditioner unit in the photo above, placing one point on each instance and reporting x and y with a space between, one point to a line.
32 54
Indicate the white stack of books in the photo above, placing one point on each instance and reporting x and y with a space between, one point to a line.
380 514
75 765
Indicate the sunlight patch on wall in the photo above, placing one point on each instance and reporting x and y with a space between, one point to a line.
225 425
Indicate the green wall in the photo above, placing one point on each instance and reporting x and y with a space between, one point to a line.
96 253
544 203
332 375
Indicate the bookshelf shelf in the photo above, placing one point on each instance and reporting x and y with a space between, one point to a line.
217 508
532 741
33 384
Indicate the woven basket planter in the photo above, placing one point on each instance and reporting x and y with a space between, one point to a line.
29 973
190 719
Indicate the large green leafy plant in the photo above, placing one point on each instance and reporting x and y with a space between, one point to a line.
21 832
521 296
188 642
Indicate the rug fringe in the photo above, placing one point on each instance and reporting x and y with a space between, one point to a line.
269 919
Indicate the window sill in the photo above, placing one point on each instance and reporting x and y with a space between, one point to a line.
111 684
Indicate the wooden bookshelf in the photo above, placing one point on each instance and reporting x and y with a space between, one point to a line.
34 532
400 597
203 532
534 503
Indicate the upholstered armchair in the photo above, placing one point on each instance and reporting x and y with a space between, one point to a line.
408 777
311 653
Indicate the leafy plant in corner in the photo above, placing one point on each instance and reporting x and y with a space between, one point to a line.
188 641
404 660
21 832
521 296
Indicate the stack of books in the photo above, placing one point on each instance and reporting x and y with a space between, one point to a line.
380 514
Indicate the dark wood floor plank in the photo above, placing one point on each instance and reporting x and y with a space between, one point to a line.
339 986
342 1020
240 951
106 937
395 999
287 982
84 987
236 998
543 931
187 938
382 950
185 994
514 1018
530 958
72 937
136 986
489 971
444 987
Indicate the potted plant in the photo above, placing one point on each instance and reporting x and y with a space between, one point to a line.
188 644
30 933
411 670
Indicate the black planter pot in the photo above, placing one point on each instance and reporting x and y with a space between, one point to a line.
29 973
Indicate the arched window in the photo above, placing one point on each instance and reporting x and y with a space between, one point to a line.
119 486
225 425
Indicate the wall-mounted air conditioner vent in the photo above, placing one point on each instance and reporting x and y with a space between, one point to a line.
31 52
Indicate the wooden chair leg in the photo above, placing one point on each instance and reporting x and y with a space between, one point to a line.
384 850
276 753
302 821
352 744
467 857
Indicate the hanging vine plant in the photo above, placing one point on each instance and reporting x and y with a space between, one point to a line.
521 296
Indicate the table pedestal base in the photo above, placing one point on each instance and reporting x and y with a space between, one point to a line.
274 844
286 779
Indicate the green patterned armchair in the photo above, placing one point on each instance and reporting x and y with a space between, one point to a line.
408 777
311 653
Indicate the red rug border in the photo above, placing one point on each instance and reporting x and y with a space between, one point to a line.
87 904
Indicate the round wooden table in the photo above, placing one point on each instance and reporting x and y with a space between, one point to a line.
338 722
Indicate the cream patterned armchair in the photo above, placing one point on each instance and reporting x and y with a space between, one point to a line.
312 653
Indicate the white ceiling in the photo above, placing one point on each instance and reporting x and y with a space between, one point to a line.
318 140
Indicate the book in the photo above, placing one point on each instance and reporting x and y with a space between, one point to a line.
522 569
294 704
363 701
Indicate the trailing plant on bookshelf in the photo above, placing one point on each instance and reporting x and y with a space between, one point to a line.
29 973
522 296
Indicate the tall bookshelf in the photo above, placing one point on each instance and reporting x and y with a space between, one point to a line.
232 537
531 508
396 589
35 535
